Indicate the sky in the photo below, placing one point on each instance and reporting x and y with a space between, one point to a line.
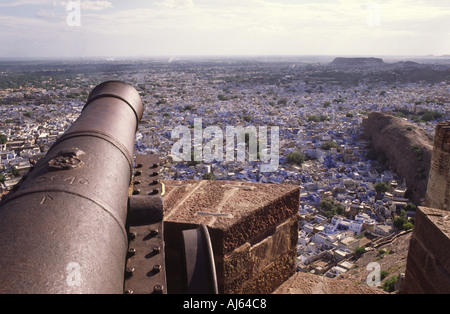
140 28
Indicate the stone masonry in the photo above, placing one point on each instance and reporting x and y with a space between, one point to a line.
438 189
253 229
428 263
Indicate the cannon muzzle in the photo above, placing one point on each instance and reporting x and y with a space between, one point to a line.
64 229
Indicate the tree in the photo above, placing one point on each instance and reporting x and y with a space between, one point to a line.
324 118
282 101
3 139
329 145
209 176
401 222
389 284
313 118
222 97
410 207
431 115
330 208
295 158
381 187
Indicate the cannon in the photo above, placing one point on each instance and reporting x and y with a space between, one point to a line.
88 218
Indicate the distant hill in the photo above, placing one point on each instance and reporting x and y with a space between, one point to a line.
357 61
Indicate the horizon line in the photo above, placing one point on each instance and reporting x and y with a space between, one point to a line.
187 56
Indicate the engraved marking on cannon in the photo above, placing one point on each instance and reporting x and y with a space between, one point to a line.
46 198
67 159
71 180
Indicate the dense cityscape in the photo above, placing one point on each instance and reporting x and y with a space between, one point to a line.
348 195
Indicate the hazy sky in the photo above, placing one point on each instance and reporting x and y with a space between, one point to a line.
45 28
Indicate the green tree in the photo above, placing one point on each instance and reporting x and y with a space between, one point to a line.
209 176
313 118
295 158
389 284
282 101
410 207
324 118
431 115
222 97
330 208
329 145
3 139
401 222
381 187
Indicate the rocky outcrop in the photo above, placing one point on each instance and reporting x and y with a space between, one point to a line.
405 147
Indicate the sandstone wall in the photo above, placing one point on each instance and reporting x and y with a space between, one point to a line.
428 263
407 148
438 190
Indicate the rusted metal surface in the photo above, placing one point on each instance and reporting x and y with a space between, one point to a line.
145 267
199 266
64 229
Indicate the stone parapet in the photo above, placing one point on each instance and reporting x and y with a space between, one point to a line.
428 263
438 190
253 229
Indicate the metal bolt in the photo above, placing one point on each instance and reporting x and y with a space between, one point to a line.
156 249
154 232
157 268
129 291
132 235
158 289
131 251
130 270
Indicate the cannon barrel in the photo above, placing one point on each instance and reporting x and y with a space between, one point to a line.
64 229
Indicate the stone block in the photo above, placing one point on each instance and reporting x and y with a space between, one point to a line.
428 263
253 228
